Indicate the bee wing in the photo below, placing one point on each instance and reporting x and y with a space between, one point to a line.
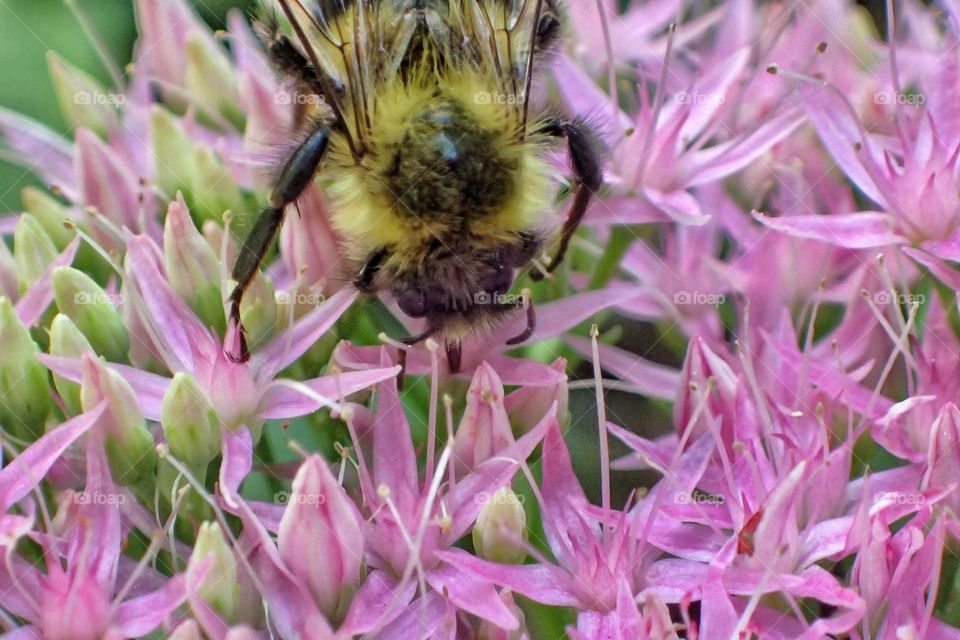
504 35
351 42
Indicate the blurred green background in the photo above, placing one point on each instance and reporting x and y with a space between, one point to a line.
31 28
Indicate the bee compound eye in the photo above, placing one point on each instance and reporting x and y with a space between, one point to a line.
412 302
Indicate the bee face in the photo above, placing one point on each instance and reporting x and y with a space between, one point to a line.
466 280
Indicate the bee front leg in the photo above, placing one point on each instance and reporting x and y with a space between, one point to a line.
363 281
294 178
588 171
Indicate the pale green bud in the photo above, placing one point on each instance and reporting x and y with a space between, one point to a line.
33 251
173 152
192 266
67 341
51 215
93 311
24 385
83 101
211 79
219 588
189 422
130 446
501 528
212 187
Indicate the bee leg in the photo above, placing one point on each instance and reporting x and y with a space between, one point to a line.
524 335
294 178
454 356
364 279
588 171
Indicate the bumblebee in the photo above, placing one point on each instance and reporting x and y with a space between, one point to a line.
423 140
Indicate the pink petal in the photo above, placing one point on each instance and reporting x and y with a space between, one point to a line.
546 584
282 402
149 387
650 378
23 473
139 616
472 594
40 149
861 230
283 350
38 297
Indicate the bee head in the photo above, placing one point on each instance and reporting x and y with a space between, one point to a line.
469 282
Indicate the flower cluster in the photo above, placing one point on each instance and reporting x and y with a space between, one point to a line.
780 217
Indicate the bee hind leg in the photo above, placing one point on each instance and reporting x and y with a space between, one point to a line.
587 169
294 178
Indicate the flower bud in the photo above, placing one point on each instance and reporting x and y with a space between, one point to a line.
24 386
219 588
528 405
192 267
484 429
501 528
67 341
83 101
211 203
211 79
320 537
130 446
173 153
50 214
8 273
258 311
89 306
33 251
189 422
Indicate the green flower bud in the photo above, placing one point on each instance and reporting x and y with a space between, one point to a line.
501 528
67 341
24 385
219 588
211 202
8 272
258 311
189 422
173 153
83 101
192 266
89 306
211 79
50 214
33 251
130 446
